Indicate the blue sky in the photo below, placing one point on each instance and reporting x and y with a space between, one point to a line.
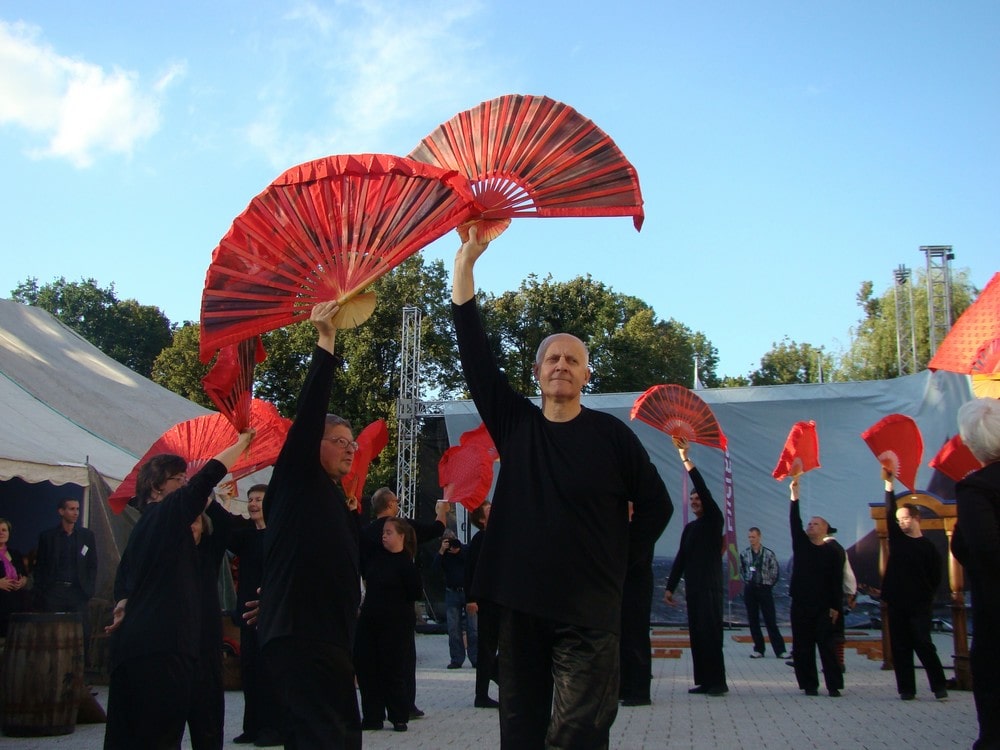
787 151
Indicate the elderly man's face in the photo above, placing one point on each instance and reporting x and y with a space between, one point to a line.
336 452
816 528
563 371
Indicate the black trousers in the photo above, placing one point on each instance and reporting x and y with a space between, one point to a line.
635 652
260 711
910 632
759 600
148 702
704 611
984 658
812 630
486 663
381 659
207 715
558 684
314 684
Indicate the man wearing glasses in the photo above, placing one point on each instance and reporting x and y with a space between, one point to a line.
310 589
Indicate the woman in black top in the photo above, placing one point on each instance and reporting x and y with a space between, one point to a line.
385 628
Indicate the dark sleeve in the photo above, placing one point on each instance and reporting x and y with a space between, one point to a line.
677 569
895 532
471 562
195 494
795 522
121 590
226 524
652 508
89 563
711 512
427 531
935 565
977 516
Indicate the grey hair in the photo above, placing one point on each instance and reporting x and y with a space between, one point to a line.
979 426
540 352
334 420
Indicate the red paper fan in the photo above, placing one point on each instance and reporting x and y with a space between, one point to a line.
480 438
324 230
962 350
532 156
801 451
955 460
677 411
199 439
465 473
230 381
371 441
896 442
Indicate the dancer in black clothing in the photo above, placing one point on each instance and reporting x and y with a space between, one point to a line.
487 623
816 591
560 522
156 631
635 647
912 577
311 587
385 628
699 560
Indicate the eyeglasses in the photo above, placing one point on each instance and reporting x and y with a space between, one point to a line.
343 442
182 478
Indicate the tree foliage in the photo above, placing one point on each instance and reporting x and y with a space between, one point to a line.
126 331
791 362
630 349
179 369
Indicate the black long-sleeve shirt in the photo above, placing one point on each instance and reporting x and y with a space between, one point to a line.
913 570
559 527
817 571
311 587
699 556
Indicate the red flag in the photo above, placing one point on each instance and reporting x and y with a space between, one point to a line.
801 451
896 442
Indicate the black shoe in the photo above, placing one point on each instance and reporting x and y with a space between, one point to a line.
372 725
269 738
486 702
633 701
907 696
698 690
244 739
835 693
812 691
716 691
399 726
790 663
416 713
941 695
453 665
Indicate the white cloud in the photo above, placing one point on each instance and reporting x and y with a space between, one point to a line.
363 68
80 109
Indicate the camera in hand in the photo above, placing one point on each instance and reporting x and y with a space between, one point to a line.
454 544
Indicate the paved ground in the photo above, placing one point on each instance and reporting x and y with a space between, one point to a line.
762 710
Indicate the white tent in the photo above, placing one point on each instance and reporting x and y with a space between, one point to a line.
756 421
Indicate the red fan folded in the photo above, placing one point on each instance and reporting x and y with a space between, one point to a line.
898 445
465 473
199 439
532 156
677 411
955 460
801 451
962 349
230 381
324 230
371 441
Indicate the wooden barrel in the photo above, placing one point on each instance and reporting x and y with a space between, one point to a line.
42 674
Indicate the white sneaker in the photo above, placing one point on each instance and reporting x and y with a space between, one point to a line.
756 655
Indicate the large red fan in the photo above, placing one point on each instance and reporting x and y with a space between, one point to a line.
896 442
465 473
955 460
199 439
677 411
230 381
371 441
801 451
533 156
479 437
962 350
324 230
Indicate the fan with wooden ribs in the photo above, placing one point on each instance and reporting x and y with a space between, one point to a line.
324 230
677 411
897 443
197 440
229 384
533 156
801 451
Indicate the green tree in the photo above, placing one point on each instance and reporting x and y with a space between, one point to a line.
873 353
178 368
126 331
791 362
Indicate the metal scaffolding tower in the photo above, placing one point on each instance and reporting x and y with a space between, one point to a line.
407 410
906 335
938 293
